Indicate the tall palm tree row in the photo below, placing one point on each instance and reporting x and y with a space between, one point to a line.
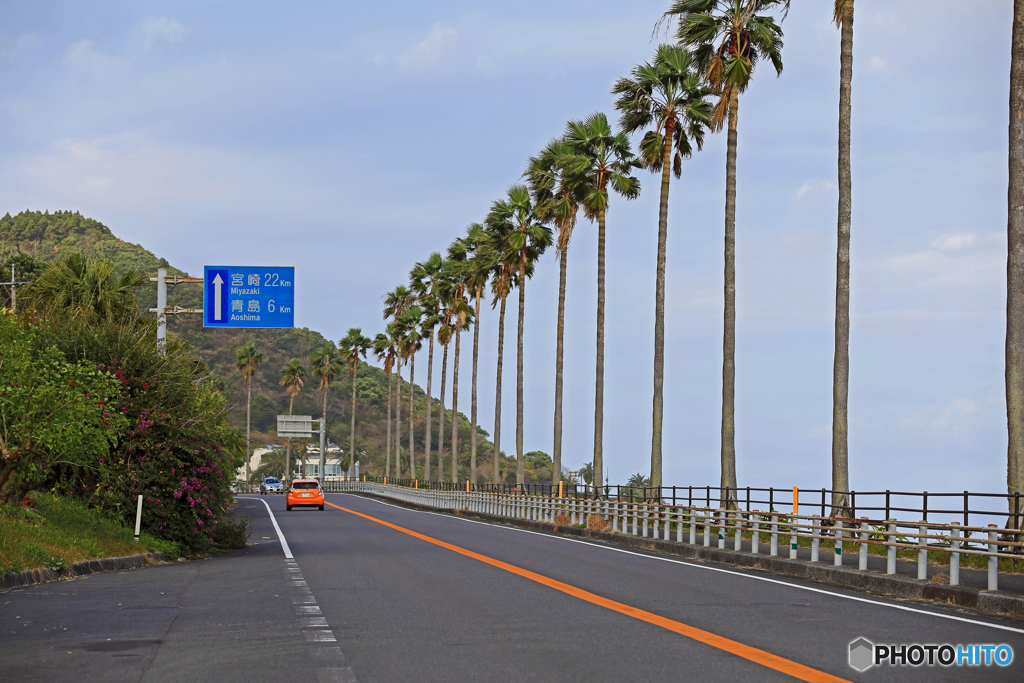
729 38
384 350
598 161
527 239
477 273
411 343
396 303
248 360
352 346
423 281
454 288
665 96
555 204
293 376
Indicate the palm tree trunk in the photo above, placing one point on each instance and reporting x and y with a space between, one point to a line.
472 412
497 392
387 461
455 409
323 451
412 423
1015 264
440 422
398 423
288 446
248 425
520 464
430 401
728 481
598 463
556 449
658 412
841 362
352 430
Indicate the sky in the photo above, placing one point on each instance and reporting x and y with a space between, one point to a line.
351 140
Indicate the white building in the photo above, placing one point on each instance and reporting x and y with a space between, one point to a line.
332 464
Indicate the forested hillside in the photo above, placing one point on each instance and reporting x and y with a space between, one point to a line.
44 236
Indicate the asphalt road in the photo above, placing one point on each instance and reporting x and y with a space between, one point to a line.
464 601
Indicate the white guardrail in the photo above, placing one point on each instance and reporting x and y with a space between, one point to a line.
696 525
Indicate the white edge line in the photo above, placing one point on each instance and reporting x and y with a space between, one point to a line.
284 543
701 566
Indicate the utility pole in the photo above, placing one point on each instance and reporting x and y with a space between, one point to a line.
13 284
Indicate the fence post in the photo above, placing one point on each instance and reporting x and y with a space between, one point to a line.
737 531
775 533
954 554
863 564
838 560
721 527
692 515
668 524
755 533
815 541
679 526
890 564
922 553
645 521
707 529
993 561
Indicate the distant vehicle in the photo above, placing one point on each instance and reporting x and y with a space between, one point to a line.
305 493
271 485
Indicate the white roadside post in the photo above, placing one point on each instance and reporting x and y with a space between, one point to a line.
922 553
815 537
890 563
993 561
138 518
862 563
954 554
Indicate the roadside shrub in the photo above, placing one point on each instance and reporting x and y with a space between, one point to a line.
231 534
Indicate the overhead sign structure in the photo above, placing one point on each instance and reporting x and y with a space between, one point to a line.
249 296
300 426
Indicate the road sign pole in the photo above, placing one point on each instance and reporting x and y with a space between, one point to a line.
161 311
323 452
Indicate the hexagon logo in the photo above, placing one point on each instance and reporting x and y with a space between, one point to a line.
862 654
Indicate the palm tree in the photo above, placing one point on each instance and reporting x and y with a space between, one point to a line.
498 233
843 18
76 285
352 346
424 278
411 342
1015 264
729 38
325 364
554 203
454 288
384 350
527 240
598 160
247 360
444 337
293 376
665 96
396 302
478 271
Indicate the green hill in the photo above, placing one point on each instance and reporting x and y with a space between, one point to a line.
45 236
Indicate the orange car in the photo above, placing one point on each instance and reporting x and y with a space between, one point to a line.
305 492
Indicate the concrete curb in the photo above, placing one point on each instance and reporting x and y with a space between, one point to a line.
901 587
34 576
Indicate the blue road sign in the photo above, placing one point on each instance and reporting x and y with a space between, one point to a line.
249 296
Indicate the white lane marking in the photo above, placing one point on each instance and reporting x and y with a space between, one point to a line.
702 566
284 543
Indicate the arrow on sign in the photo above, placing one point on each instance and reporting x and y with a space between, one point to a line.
217 284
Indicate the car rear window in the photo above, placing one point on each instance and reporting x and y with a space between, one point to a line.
271 480
305 485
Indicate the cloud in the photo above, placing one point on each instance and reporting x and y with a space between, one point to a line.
425 53
955 241
940 418
879 65
812 186
153 30
819 430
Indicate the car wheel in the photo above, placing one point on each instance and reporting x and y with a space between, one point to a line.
320 506
289 508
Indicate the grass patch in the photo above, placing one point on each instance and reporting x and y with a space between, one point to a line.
56 532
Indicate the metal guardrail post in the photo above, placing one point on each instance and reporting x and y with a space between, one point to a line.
862 564
775 533
721 528
954 554
755 534
838 560
993 561
707 529
738 532
815 541
922 553
890 563
644 534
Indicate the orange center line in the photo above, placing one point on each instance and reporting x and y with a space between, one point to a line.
753 654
